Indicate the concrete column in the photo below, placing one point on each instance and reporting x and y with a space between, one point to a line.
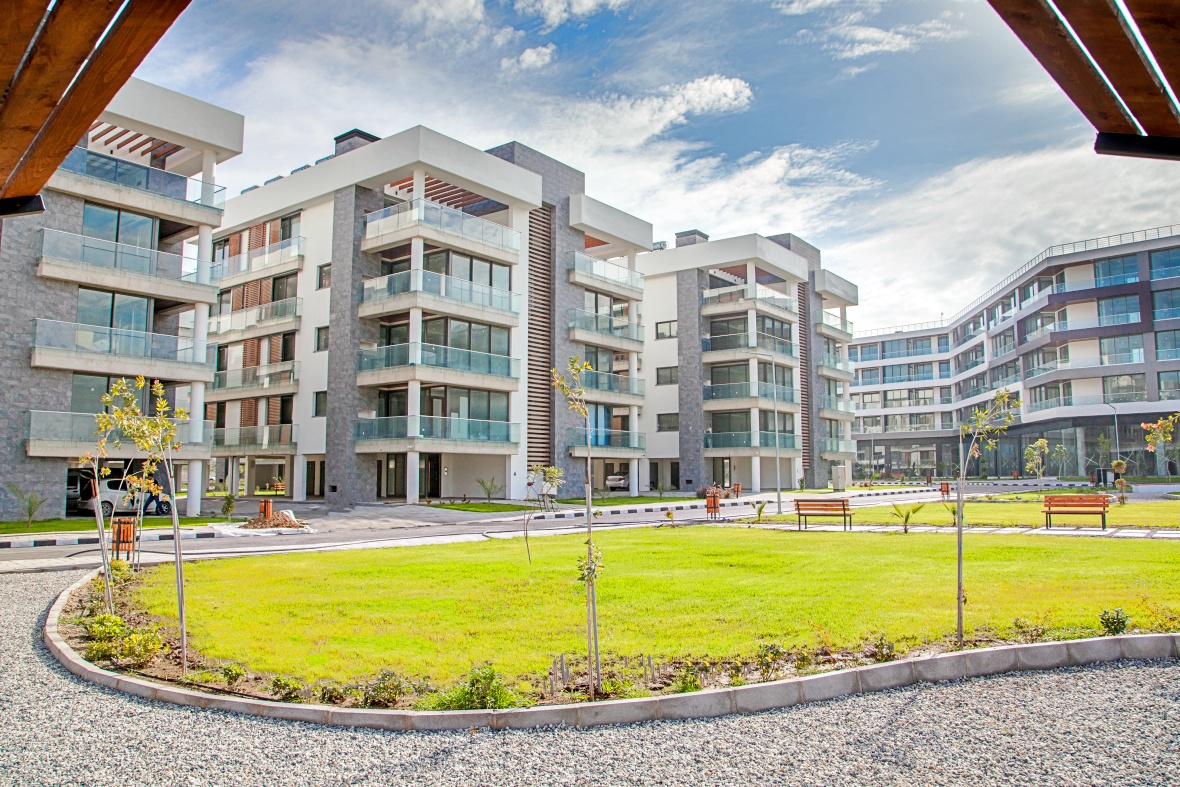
755 474
752 327
298 482
518 401
753 374
412 477
751 274
1080 431
289 477
419 188
415 336
251 477
633 477
196 467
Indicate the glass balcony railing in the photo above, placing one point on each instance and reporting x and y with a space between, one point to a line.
834 321
1110 359
267 313
458 290
837 446
969 365
974 391
614 383
1105 281
749 292
117 256
1004 349
250 377
257 437
728 439
606 325
1002 382
81 428
1122 397
835 403
440 217
1168 394
1165 314
835 362
741 341
156 181
1168 354
606 271
783 393
787 441
406 427
1164 273
606 438
438 356
74 337
287 250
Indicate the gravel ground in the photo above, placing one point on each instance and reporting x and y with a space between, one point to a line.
1115 724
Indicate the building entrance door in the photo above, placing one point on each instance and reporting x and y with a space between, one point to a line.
430 475
722 471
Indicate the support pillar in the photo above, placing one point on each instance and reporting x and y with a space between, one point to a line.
298 482
412 477
1080 432
755 474
251 477
633 477
196 468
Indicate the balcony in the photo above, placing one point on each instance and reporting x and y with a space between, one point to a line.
389 294
91 349
832 445
1110 359
398 223
841 328
70 435
1002 382
444 434
277 258
598 383
974 391
594 273
724 299
1170 354
837 404
828 363
264 439
274 379
256 321
146 181
787 441
1166 314
729 391
121 268
1004 349
739 343
605 442
435 363
1125 397
1164 273
969 365
615 333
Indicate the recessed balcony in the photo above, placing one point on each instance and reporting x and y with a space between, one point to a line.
275 379
835 407
436 364
261 440
740 346
603 330
91 349
445 226
835 448
263 320
121 268
70 435
604 442
285 256
834 367
749 443
596 274
728 396
613 388
743 297
435 434
833 327
399 292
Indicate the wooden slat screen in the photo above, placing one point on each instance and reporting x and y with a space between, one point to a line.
540 337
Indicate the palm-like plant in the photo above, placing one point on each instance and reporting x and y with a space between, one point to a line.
905 513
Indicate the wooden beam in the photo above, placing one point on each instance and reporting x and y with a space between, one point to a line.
1112 44
18 25
1138 146
67 38
138 145
130 39
1046 37
128 141
1160 25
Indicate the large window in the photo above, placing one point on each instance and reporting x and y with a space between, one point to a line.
1165 264
1124 388
1123 269
1121 349
1169 385
288 227
284 287
87 393
441 401
462 266
729 374
666 330
465 335
113 310
667 375
1167 345
775 373
118 226
668 422
1165 304
869 352
731 422
1123 304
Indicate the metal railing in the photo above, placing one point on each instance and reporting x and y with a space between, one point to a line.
609 272
268 376
449 220
605 324
783 393
75 337
459 290
275 311
156 181
82 428
259 259
99 253
749 292
606 438
613 383
262 436
917 326
438 356
403 427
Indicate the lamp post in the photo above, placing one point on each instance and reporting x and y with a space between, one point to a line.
778 464
1117 452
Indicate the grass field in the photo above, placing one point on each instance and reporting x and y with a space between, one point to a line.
1011 514
481 508
437 611
84 523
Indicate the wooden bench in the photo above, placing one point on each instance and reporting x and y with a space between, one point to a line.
809 507
1097 505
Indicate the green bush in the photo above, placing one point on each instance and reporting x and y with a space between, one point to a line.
232 673
686 680
1114 622
286 689
332 694
120 571
102 650
139 648
769 658
384 690
882 650
106 628
482 690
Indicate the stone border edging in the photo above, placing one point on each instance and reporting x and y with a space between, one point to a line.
694 705
82 540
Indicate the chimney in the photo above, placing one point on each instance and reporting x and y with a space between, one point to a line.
351 140
690 237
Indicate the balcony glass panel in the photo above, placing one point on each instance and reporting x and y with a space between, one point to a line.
786 440
728 439
268 376
738 341
436 355
834 321
605 324
440 217
117 256
745 390
275 311
81 428
615 383
836 362
259 259
262 436
606 271
1167 355
459 290
136 176
834 445
755 292
606 438
436 428
835 403
51 334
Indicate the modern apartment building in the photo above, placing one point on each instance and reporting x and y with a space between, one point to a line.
388 318
1086 334
745 363
101 283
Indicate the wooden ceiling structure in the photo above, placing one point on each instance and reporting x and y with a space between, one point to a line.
1118 61
61 63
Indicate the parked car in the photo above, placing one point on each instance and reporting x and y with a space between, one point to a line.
78 487
115 499
618 481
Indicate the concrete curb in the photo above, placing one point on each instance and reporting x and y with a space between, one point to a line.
69 542
695 705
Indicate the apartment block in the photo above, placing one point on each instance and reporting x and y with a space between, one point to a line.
113 280
1086 334
745 364
388 318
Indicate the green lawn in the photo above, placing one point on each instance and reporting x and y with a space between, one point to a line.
79 524
437 611
1150 514
482 508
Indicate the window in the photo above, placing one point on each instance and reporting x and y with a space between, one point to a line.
117 226
668 422
323 276
283 287
1122 269
730 374
288 227
1124 304
944 344
944 368
869 352
1169 385
667 375
853 353
666 330
319 407
464 335
1165 304
1124 388
321 338
465 268
731 422
1121 349
1165 264
113 310
87 393
1167 345
286 409
287 346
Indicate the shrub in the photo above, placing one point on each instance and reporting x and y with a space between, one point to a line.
232 673
882 650
286 689
106 628
736 678
139 648
120 571
332 694
1114 622
769 658
759 507
384 690
482 690
686 680
102 650
1028 631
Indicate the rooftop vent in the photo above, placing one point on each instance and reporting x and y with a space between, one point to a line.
272 180
300 169
690 237
248 188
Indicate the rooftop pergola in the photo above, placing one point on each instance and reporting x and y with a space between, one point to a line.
61 63
1118 61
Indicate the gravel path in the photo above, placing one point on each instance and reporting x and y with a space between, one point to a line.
1115 724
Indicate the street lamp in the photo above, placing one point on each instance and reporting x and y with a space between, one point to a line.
778 464
1117 452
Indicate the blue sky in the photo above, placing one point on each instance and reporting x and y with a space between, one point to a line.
915 142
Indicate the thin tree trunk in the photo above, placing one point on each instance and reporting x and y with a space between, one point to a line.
102 542
178 554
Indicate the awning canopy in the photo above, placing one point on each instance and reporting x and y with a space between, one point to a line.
1118 61
61 63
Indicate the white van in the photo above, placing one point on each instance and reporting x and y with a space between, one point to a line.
116 499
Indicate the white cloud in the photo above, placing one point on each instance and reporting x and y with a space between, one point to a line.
558 12
440 13
849 40
801 7
530 59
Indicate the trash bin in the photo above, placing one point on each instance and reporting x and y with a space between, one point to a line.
266 508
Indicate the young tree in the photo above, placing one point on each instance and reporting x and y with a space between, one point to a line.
905 513
981 431
590 567
1060 454
1034 460
30 502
